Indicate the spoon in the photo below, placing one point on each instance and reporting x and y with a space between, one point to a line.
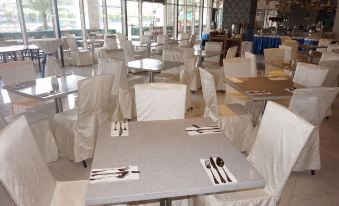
115 125
114 173
123 169
208 166
220 163
120 176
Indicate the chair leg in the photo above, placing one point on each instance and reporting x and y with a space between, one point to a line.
312 172
84 163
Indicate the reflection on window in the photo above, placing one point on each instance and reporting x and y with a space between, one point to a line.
133 19
94 15
69 17
114 15
9 20
170 19
153 17
38 18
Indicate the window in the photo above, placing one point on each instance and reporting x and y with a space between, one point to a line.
69 17
133 19
114 16
94 15
9 20
153 17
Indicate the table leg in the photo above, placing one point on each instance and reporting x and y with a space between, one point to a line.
199 61
149 52
166 202
150 77
58 105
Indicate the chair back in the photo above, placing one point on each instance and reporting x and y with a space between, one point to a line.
173 54
310 75
231 52
110 43
209 95
24 173
254 65
280 139
332 47
3 122
213 46
72 43
160 101
327 56
122 38
122 100
128 51
313 103
146 39
186 77
273 55
184 39
192 40
333 72
294 45
17 72
323 43
94 95
162 38
287 53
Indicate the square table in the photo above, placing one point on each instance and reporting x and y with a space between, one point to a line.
169 162
203 53
34 89
152 65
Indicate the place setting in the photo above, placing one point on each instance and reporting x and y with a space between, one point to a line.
217 171
119 129
114 174
259 92
200 130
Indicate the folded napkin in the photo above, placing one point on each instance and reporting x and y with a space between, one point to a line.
278 78
259 92
114 174
235 80
119 129
203 130
222 171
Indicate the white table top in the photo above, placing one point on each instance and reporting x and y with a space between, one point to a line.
17 48
152 65
169 162
32 89
276 86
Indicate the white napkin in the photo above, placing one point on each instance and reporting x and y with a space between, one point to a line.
216 175
105 174
115 129
203 130
235 80
259 92
278 78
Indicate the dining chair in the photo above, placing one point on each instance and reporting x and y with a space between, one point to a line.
312 104
273 58
146 39
323 43
234 119
254 64
122 100
293 44
122 38
215 47
231 52
287 54
326 56
184 39
332 47
333 72
160 101
76 129
130 54
25 177
310 75
16 72
79 57
110 44
280 139
157 51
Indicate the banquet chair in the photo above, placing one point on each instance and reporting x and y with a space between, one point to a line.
231 52
312 104
157 51
273 58
76 130
323 43
234 119
130 54
310 75
216 47
332 47
24 175
184 37
287 54
106 51
16 72
280 139
326 56
122 38
79 57
160 101
293 44
122 100
333 72
254 64
146 39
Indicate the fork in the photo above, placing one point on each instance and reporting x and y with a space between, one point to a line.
208 166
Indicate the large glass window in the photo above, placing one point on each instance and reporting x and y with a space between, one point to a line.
153 17
94 15
9 20
170 17
69 17
133 19
114 16
38 18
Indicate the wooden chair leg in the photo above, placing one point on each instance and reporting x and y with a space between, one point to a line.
84 163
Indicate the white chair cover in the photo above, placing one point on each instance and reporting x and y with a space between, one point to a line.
79 57
310 75
26 177
333 72
246 46
280 139
312 104
231 52
294 45
327 56
254 66
213 46
323 43
184 37
287 53
76 130
274 56
122 100
110 43
50 46
332 47
146 39
3 122
122 38
162 38
235 121
160 101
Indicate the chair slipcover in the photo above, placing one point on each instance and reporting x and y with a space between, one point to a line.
333 72
287 53
121 105
3 122
122 38
16 72
280 140
184 37
109 49
310 75
332 47
160 101
231 52
274 56
326 56
246 46
213 46
254 65
79 57
146 39
26 177
323 43
130 54
76 130
312 104
235 121
294 46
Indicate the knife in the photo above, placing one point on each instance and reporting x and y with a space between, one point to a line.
216 168
113 173
120 129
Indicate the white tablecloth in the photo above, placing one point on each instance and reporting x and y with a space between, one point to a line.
49 46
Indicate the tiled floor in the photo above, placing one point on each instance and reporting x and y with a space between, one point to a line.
302 188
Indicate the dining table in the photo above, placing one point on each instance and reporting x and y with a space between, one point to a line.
9 52
48 88
151 66
169 162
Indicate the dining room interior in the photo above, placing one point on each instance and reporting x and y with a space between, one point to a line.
169 102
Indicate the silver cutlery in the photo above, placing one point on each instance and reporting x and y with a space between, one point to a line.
208 166
214 126
115 125
120 176
113 173
216 168
120 129
125 125
220 162
122 169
